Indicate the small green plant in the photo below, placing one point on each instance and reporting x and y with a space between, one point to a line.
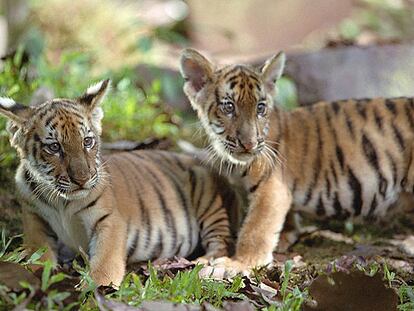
292 299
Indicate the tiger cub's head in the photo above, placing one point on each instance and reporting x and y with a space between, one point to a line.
58 142
233 103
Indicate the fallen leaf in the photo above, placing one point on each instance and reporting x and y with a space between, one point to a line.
333 236
269 294
354 291
238 306
178 263
11 274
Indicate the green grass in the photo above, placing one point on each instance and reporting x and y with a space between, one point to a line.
74 289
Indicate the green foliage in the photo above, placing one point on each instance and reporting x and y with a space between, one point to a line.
287 95
130 112
292 299
383 18
185 287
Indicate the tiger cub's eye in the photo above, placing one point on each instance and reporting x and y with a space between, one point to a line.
53 148
88 142
261 109
227 107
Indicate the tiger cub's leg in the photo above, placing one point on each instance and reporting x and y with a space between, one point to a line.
107 249
37 234
213 220
260 232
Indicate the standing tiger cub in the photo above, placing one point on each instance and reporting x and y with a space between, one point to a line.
345 158
128 207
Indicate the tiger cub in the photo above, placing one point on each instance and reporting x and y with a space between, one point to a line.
345 158
128 207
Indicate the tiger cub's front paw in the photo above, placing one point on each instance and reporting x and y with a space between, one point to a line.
231 266
107 276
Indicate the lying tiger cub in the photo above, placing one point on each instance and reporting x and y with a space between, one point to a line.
129 207
345 158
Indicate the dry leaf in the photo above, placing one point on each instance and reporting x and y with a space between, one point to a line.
11 274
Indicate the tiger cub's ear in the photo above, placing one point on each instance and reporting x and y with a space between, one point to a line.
15 112
95 94
272 71
17 115
196 70
92 100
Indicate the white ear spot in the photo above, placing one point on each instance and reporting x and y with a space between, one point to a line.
95 88
6 102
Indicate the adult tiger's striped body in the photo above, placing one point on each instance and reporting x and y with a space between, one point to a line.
138 206
347 158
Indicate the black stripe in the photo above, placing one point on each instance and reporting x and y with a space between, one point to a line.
156 252
335 106
390 104
340 156
217 230
409 115
319 153
349 125
192 175
177 161
372 208
320 208
92 203
333 171
95 226
49 120
261 180
231 71
399 136
294 185
210 203
372 157
394 168
411 102
337 206
378 120
370 152
134 244
213 226
361 108
356 188
328 185
317 166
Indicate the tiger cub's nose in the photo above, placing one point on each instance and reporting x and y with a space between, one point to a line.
248 146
